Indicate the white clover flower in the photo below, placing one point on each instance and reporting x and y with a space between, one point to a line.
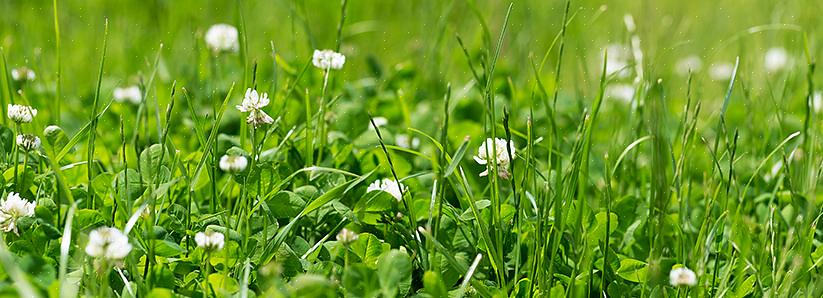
210 240
721 71
688 64
388 185
407 141
617 62
222 38
378 121
129 94
233 163
13 208
500 148
328 59
253 103
682 276
774 171
108 243
622 92
257 118
21 113
347 236
23 74
775 59
28 142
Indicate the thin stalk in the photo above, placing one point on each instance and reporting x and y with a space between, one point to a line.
95 107
59 88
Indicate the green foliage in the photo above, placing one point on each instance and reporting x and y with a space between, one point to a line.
646 137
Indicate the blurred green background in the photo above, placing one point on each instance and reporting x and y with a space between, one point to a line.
411 47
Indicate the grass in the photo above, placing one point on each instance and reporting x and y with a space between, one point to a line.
630 159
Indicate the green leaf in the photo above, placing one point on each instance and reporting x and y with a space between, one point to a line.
128 182
85 219
368 248
458 156
433 284
49 230
220 283
746 287
633 270
160 293
360 281
394 270
25 178
286 204
150 161
312 285
166 249
598 230
102 184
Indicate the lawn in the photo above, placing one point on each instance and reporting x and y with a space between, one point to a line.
426 148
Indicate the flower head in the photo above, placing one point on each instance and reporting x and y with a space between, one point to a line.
388 185
28 142
253 101
407 141
618 59
21 113
13 208
689 64
347 236
499 148
233 163
682 276
108 243
328 59
129 94
622 92
775 59
22 74
378 121
257 118
721 71
210 240
222 38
